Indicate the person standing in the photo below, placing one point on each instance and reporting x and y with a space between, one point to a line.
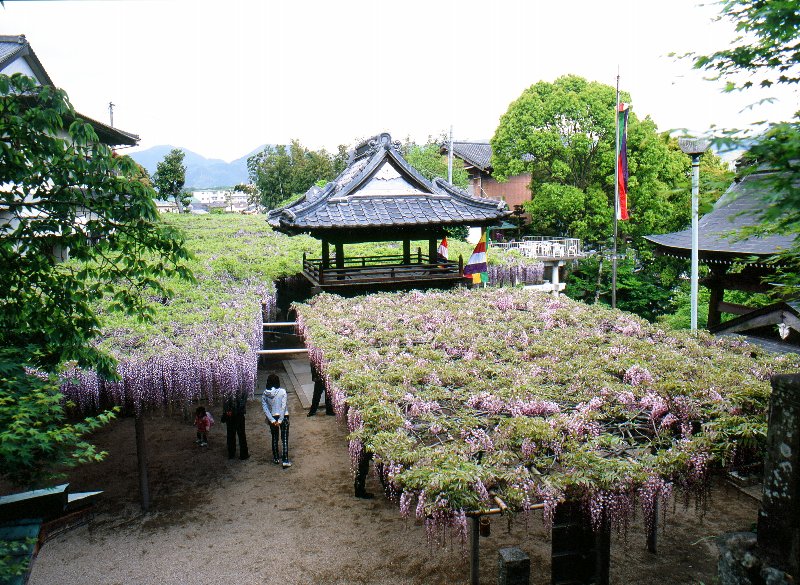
276 409
234 410
202 422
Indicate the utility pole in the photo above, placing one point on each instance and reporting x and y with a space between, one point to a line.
450 158
111 112
694 148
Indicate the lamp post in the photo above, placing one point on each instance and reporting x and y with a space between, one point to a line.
694 147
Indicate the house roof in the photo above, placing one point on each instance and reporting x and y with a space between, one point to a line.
741 206
476 154
379 189
13 47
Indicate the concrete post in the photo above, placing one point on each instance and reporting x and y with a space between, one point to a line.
514 567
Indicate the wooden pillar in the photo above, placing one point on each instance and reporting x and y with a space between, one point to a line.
326 255
433 251
717 289
475 549
339 255
141 456
406 251
652 531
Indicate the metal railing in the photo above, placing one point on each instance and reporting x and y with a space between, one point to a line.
544 247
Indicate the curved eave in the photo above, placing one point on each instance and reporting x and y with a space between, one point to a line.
711 256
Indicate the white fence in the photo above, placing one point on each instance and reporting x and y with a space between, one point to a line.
544 247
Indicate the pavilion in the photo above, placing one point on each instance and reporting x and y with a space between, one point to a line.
380 197
736 262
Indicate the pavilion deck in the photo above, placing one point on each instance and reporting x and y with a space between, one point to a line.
383 271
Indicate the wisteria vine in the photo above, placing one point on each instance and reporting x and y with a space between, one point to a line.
466 395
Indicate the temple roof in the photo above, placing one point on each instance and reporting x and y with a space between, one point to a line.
741 206
379 189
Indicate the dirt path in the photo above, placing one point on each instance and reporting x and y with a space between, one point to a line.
216 521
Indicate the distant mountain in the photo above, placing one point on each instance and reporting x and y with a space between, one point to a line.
201 172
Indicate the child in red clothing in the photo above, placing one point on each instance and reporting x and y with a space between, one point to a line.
202 422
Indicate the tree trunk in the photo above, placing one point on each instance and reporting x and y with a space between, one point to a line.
141 456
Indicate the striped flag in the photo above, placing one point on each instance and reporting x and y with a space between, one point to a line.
476 269
622 161
442 251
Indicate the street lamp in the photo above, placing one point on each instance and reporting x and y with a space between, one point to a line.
694 147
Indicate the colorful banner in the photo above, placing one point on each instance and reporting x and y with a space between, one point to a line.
476 269
442 251
622 161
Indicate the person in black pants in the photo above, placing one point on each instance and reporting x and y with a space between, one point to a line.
234 410
319 390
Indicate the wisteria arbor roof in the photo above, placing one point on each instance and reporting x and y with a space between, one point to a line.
740 207
463 394
379 192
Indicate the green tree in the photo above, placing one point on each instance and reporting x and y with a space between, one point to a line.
563 134
431 163
769 48
78 228
280 172
170 177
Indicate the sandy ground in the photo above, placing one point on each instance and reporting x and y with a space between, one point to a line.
217 521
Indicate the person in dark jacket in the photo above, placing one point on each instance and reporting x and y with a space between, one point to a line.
234 410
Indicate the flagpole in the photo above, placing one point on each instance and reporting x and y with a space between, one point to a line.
616 201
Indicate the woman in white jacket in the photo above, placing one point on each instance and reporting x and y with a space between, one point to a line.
276 409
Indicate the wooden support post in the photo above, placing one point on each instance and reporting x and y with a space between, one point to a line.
474 563
460 265
433 251
406 251
652 533
326 255
715 299
339 255
141 456
419 255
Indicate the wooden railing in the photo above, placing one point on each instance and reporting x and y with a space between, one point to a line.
380 269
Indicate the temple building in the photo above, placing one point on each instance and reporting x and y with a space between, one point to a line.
380 197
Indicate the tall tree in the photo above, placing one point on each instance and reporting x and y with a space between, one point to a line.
431 163
767 53
170 177
77 228
280 172
563 134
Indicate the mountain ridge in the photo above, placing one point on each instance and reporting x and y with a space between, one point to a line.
201 172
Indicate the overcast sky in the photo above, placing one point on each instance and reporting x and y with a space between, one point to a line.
223 77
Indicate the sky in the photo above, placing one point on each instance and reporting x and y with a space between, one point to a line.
221 78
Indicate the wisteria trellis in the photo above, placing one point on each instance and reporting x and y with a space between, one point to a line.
203 342
468 394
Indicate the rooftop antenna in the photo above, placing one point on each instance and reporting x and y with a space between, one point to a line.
111 112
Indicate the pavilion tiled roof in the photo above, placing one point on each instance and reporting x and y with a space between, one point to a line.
741 206
379 189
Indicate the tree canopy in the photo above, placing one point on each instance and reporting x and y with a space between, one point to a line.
77 227
563 134
170 177
279 172
769 48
